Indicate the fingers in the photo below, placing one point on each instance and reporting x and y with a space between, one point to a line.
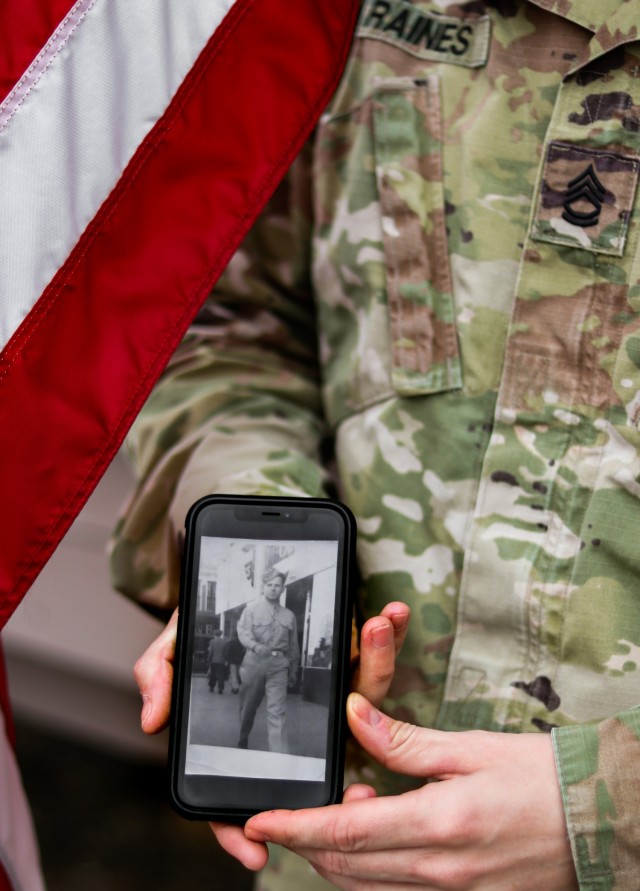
399 614
154 675
252 855
358 792
367 824
381 640
416 751
393 743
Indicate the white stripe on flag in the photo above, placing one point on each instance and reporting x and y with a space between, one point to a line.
75 120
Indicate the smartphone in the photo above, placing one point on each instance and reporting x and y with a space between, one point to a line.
262 659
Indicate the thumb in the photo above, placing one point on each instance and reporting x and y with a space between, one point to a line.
405 748
154 674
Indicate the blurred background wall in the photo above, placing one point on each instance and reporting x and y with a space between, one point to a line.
97 785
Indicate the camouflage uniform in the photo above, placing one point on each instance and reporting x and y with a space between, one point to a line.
466 220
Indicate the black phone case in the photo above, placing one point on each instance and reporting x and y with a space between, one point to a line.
346 582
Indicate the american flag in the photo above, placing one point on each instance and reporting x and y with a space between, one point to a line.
139 139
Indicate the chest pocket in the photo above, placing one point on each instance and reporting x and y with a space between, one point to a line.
381 264
275 632
262 632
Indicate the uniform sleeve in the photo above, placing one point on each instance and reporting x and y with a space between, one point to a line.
598 767
238 409
245 632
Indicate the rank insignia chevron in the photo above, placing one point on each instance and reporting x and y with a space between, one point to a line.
586 188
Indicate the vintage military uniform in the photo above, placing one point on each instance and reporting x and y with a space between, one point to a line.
466 221
275 627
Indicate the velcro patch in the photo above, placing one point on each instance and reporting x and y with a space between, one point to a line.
586 198
426 34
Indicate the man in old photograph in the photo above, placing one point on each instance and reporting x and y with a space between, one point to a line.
269 633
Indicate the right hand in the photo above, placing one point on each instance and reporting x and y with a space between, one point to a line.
261 649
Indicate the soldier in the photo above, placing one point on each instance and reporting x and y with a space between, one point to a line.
466 220
269 633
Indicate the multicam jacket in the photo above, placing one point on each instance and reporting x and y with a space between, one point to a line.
466 222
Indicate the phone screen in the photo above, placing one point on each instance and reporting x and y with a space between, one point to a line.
263 655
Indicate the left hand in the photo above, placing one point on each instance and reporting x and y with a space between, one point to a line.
495 822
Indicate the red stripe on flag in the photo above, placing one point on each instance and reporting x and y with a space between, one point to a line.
25 26
78 370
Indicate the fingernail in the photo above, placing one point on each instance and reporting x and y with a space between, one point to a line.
381 636
364 710
256 836
399 619
147 708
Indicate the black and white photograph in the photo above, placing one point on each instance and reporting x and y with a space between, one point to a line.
262 654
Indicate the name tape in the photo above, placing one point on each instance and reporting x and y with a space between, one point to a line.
425 34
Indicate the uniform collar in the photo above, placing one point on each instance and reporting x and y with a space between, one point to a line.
590 14
612 22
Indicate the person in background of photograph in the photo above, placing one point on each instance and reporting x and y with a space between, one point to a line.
234 654
322 655
269 633
217 660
